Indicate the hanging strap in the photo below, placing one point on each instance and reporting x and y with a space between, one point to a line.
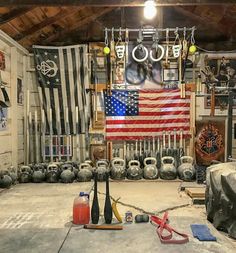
162 226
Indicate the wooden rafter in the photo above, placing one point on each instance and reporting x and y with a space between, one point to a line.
49 21
204 19
113 3
82 22
17 12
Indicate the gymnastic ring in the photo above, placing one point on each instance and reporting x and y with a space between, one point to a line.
144 58
161 56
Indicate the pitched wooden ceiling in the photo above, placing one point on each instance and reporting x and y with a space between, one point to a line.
63 22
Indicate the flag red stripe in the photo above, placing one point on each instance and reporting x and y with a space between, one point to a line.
166 121
164 113
163 91
157 129
163 98
164 105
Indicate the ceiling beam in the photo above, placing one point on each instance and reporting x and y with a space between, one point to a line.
15 13
112 3
203 19
73 27
48 21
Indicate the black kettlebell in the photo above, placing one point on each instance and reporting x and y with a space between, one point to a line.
13 174
25 174
38 173
67 173
5 179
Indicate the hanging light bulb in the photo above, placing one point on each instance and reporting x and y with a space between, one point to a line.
150 10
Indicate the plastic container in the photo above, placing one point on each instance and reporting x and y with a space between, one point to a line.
81 210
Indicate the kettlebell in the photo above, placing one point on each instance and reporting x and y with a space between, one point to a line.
52 173
101 169
168 170
134 172
38 175
25 174
85 172
67 173
5 179
13 174
88 161
118 171
150 168
92 168
75 166
186 170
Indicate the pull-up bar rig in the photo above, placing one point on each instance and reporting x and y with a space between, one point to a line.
151 30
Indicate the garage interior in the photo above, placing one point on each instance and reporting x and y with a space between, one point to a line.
117 126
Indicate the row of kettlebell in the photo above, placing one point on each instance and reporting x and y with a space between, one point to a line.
52 173
65 172
69 171
167 171
119 171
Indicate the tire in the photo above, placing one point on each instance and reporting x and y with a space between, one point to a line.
220 197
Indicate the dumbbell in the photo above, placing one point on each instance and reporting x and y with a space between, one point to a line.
139 218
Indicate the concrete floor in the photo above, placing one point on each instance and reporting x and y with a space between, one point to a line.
37 218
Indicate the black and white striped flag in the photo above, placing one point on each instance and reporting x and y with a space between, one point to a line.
62 74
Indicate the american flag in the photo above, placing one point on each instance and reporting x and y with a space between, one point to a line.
140 114
62 74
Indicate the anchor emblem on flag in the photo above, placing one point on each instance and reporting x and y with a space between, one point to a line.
48 68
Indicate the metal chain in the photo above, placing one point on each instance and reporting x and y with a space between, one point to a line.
140 37
167 36
106 37
155 40
184 33
112 35
126 35
192 36
176 32
120 35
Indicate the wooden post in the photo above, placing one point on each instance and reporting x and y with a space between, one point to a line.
27 128
14 107
212 114
230 125
31 155
26 109
181 84
192 123
109 150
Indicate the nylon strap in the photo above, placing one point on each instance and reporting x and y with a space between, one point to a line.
162 226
